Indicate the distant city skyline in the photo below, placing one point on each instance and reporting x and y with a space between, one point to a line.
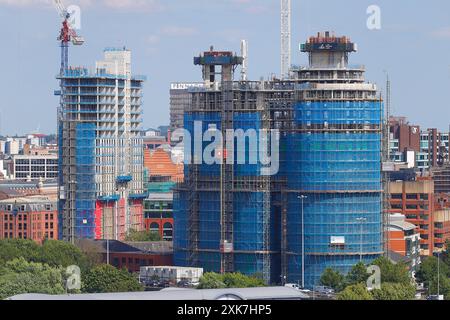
412 45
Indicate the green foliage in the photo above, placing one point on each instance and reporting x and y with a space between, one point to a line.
428 274
395 279
395 291
53 253
393 273
59 253
333 279
355 292
238 280
229 280
357 275
142 236
105 279
211 280
11 249
19 277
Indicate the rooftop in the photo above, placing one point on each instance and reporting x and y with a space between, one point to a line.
173 294
27 200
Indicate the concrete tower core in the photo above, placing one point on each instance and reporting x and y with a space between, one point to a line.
328 51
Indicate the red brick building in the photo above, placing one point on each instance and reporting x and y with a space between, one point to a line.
404 239
158 214
131 256
33 217
415 200
441 228
407 135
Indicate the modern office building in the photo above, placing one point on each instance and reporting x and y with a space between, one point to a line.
101 150
441 220
441 177
322 207
415 200
29 167
179 99
422 149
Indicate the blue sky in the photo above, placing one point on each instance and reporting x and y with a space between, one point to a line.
164 35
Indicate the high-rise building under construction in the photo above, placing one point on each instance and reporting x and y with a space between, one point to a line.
322 207
101 149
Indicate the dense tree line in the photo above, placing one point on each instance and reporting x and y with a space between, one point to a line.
26 267
396 283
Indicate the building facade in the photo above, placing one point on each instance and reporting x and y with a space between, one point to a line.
33 217
322 208
30 167
101 150
158 214
441 220
179 99
423 149
404 239
415 200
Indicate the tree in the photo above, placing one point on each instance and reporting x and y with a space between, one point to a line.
106 279
428 273
211 280
11 249
357 275
333 279
391 272
142 236
19 277
395 291
51 252
60 253
355 292
238 280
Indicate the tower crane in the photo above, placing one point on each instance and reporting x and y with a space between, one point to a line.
66 35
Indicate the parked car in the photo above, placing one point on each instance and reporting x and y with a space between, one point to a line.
184 284
324 290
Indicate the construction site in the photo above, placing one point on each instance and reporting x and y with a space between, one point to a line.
324 208
101 167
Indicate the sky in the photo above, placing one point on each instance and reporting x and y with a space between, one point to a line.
413 46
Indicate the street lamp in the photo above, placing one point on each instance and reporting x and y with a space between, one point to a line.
303 197
361 221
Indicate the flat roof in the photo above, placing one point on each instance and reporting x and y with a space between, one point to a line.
27 200
261 293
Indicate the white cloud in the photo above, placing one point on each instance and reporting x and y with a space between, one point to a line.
443 33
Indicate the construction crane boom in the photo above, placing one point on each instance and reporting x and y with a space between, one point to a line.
285 38
66 35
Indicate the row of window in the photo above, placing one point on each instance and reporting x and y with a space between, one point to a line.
24 235
24 226
27 162
23 208
411 196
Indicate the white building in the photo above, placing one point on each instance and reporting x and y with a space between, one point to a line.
172 274
35 167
